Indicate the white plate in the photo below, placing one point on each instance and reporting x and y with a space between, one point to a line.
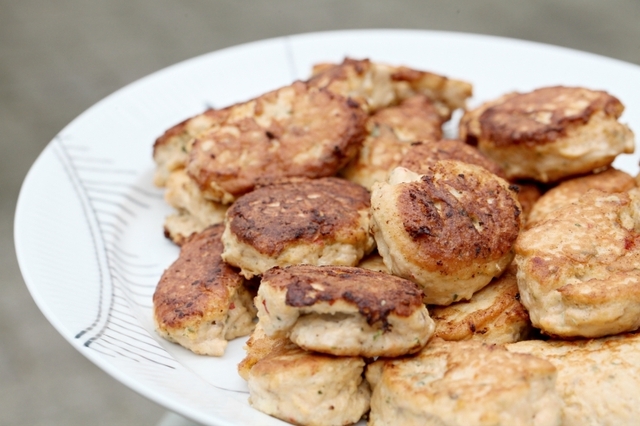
88 226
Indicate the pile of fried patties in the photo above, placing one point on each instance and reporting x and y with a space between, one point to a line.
384 272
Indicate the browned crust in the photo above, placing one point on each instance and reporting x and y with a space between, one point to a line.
424 154
179 131
544 115
450 93
272 217
433 218
507 305
375 294
197 285
318 118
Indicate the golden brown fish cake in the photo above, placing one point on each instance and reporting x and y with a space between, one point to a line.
381 85
171 150
194 212
578 269
450 230
554 132
569 191
201 302
317 222
294 131
598 379
390 130
463 384
424 154
493 315
345 311
469 126
307 388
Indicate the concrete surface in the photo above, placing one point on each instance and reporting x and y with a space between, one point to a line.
59 57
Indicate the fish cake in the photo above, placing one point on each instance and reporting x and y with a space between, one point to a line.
317 222
569 191
378 85
493 315
294 131
554 132
344 311
194 212
200 302
463 383
578 269
597 379
450 230
390 132
308 388
423 154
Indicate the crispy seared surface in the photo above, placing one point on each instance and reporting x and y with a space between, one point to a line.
450 231
493 315
376 295
569 191
344 311
424 154
272 217
198 285
297 130
545 114
390 130
448 216
469 129
381 85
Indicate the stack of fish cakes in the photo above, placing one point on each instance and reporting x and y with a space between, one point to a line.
418 273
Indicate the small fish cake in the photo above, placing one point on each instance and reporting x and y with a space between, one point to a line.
450 230
200 302
194 212
307 388
578 270
294 131
344 311
598 379
378 85
316 222
423 154
569 191
463 384
492 315
554 132
390 132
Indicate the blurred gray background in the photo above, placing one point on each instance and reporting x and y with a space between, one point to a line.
59 57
